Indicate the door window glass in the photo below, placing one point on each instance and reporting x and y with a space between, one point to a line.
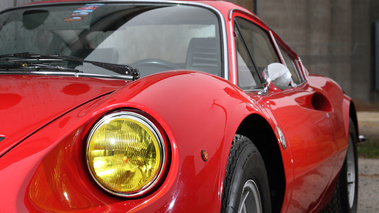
291 63
258 43
247 71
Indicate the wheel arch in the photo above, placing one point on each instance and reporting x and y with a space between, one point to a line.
353 116
258 130
350 112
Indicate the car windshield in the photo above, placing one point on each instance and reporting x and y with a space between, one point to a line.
151 38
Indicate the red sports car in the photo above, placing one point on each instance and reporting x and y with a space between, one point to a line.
166 106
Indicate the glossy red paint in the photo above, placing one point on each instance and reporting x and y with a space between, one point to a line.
47 119
39 99
312 173
54 183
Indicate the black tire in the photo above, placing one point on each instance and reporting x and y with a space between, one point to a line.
245 172
345 197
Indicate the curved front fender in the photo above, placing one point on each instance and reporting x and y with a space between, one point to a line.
198 112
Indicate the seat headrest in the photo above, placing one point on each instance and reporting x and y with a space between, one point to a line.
204 54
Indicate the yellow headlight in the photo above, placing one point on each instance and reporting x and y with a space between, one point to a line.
125 153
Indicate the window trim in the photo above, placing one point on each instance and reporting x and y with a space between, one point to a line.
244 44
232 14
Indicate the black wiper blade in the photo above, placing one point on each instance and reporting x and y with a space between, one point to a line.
117 68
16 65
31 62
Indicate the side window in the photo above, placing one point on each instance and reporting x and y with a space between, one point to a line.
291 63
258 47
247 72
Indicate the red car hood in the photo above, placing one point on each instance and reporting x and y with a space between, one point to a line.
29 102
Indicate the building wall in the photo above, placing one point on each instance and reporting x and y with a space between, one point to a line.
333 37
362 54
6 4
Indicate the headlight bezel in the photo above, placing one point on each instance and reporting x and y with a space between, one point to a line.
157 131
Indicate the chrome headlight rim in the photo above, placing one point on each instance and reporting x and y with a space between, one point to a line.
139 117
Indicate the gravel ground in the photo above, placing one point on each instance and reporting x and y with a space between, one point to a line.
368 193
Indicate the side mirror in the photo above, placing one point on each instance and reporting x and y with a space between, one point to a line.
279 75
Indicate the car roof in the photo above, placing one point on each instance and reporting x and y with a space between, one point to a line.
224 7
59 1
218 4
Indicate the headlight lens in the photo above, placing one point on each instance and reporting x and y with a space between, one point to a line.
125 153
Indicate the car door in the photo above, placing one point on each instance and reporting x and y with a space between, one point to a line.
301 112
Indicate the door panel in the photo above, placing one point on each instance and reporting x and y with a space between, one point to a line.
302 114
306 125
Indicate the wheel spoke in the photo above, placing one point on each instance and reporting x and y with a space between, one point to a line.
245 197
250 198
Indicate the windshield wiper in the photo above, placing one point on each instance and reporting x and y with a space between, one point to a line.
26 59
16 65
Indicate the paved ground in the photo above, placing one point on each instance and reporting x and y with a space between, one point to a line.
368 194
